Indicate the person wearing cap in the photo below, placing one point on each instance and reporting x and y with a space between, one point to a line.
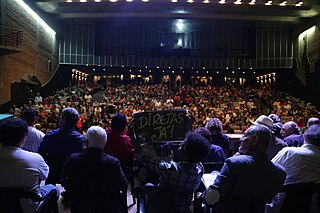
59 143
93 165
247 179
119 143
276 144
291 134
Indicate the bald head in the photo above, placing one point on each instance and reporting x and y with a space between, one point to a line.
256 139
312 121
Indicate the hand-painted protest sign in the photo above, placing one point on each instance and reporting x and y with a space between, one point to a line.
162 125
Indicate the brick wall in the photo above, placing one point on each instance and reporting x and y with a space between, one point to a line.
38 46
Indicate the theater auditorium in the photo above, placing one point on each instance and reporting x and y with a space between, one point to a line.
182 106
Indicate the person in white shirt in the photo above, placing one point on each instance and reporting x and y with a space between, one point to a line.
34 136
38 98
300 163
23 169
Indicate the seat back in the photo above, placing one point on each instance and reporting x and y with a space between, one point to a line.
10 199
92 196
212 166
55 164
156 199
299 197
234 204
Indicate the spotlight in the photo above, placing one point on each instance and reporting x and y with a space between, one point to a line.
284 3
222 1
299 3
238 2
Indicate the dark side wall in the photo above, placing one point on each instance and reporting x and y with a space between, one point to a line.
39 50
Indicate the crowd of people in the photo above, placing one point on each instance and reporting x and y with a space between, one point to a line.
235 106
80 138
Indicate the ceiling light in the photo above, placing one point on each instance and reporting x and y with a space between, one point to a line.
222 1
299 3
252 2
83 0
145 0
206 1
174 1
190 1
69 1
284 3
268 3
238 2
129 0
97 0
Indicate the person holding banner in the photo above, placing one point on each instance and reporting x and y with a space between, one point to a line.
186 174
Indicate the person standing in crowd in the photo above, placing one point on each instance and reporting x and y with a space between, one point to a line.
38 99
185 174
119 143
94 165
59 143
300 163
34 136
23 169
218 138
291 134
248 179
276 144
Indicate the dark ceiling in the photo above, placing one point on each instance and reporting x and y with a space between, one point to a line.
256 11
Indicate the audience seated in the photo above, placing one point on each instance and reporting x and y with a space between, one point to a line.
34 136
300 163
22 169
276 144
291 134
184 175
214 125
59 143
93 180
247 180
216 153
119 143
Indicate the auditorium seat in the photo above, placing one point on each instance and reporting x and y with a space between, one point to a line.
156 199
299 197
91 196
10 200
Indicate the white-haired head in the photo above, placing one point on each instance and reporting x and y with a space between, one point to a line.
97 137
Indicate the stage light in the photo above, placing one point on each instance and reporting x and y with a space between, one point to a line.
237 2
145 0
206 1
129 0
222 1
299 3
97 0
190 1
174 1
113 1
284 3
69 1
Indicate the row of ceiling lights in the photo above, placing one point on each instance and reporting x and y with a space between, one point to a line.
173 71
168 67
252 2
